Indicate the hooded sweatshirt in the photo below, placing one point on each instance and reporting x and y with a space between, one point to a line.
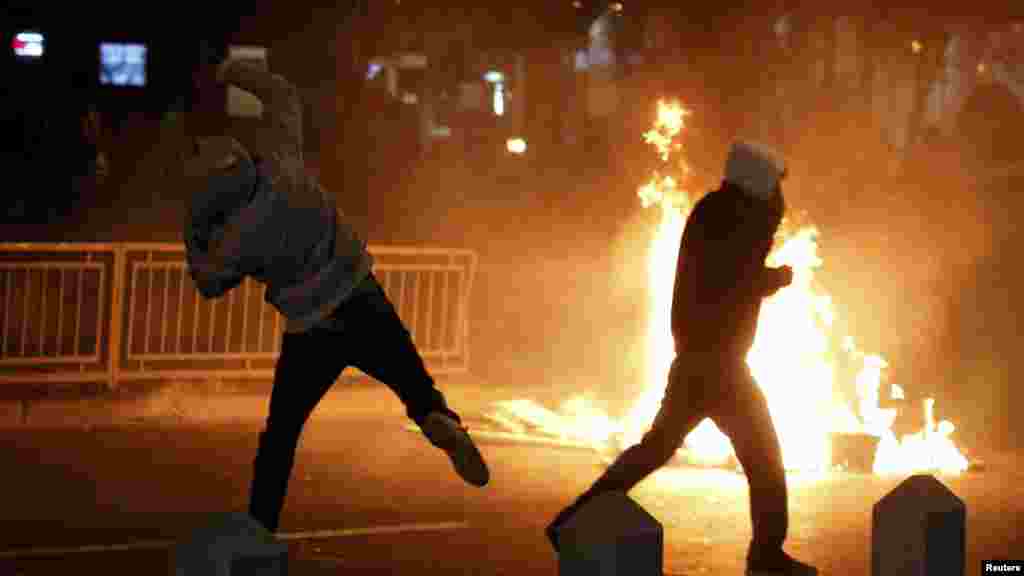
721 277
256 212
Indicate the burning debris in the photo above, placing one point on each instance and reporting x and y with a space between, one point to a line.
793 359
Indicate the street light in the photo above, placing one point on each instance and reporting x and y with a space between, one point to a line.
516 145
497 79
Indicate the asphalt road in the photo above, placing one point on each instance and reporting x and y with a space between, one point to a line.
63 490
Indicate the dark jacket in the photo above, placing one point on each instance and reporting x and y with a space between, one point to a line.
269 219
721 277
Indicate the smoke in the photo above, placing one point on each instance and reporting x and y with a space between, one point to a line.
604 312
916 249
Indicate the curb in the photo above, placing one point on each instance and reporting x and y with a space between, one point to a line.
166 409
96 413
200 404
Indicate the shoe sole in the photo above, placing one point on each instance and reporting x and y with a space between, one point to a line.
462 451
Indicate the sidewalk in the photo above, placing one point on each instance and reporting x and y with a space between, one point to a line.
209 402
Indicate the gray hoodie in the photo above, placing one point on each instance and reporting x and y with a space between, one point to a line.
269 219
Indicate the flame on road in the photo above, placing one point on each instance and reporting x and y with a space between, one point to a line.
793 358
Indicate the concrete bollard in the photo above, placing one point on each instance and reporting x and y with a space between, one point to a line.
232 544
611 535
918 529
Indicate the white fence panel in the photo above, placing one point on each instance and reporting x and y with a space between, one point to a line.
66 306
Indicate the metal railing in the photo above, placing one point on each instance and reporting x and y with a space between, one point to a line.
129 311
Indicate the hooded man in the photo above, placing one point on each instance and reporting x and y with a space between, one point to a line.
256 212
721 279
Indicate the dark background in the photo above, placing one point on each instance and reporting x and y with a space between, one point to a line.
920 247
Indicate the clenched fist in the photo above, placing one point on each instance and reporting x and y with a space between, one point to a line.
775 279
785 276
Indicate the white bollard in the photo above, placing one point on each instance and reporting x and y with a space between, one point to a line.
918 529
611 535
232 544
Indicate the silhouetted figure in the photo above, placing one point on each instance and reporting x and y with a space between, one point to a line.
721 280
256 212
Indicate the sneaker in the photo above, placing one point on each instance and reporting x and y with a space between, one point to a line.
782 565
449 435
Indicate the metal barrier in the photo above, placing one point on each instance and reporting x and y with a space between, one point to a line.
112 312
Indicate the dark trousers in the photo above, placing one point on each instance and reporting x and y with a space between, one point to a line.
724 391
365 332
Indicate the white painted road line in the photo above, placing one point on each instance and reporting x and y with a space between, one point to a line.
159 544
373 530
49 552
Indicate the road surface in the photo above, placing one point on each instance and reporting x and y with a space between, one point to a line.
369 497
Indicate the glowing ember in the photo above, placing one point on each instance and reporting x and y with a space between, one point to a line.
791 359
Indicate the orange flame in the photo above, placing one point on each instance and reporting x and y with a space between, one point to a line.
791 358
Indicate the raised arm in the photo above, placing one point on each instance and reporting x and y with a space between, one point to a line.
282 107
213 262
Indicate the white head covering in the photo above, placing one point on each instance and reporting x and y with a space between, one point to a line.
755 168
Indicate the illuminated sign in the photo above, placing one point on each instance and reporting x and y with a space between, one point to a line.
122 64
28 45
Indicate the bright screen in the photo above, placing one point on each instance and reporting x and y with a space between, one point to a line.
122 64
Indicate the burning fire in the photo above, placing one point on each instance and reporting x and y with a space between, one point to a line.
792 359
